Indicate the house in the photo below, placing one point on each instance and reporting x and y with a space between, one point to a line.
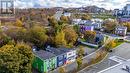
76 21
58 15
97 25
44 61
86 28
85 22
100 39
70 55
61 55
121 30
67 14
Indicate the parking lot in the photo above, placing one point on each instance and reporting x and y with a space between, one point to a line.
122 51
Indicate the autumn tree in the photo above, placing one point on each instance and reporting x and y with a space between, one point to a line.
86 17
81 51
62 70
60 39
76 28
110 25
52 21
127 25
18 23
89 36
79 62
25 56
70 35
64 19
16 59
110 45
19 34
37 36
9 59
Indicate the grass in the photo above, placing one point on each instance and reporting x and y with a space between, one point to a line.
118 42
103 16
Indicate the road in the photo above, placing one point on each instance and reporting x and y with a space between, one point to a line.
122 51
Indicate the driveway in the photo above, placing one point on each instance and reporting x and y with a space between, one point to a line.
122 51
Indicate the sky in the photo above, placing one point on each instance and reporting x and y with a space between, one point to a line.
107 4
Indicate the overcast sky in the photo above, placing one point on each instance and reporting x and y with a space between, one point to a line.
107 4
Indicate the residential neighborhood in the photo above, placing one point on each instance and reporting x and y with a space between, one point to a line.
64 36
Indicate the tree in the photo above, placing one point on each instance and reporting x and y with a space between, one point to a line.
16 59
76 28
81 51
110 25
127 25
4 39
70 35
110 45
64 19
62 70
18 23
52 22
79 62
37 36
21 35
90 36
86 17
25 56
9 60
60 39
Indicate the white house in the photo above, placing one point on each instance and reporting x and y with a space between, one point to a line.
97 25
71 56
76 21
67 14
121 30
58 15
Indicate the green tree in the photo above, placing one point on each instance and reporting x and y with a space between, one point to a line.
76 28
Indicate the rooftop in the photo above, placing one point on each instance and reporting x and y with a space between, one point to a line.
55 51
44 54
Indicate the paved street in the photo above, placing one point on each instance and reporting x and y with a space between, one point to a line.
122 51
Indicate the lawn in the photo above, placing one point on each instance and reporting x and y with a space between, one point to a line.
118 43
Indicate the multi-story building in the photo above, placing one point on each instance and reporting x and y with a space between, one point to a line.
124 12
44 61
127 10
